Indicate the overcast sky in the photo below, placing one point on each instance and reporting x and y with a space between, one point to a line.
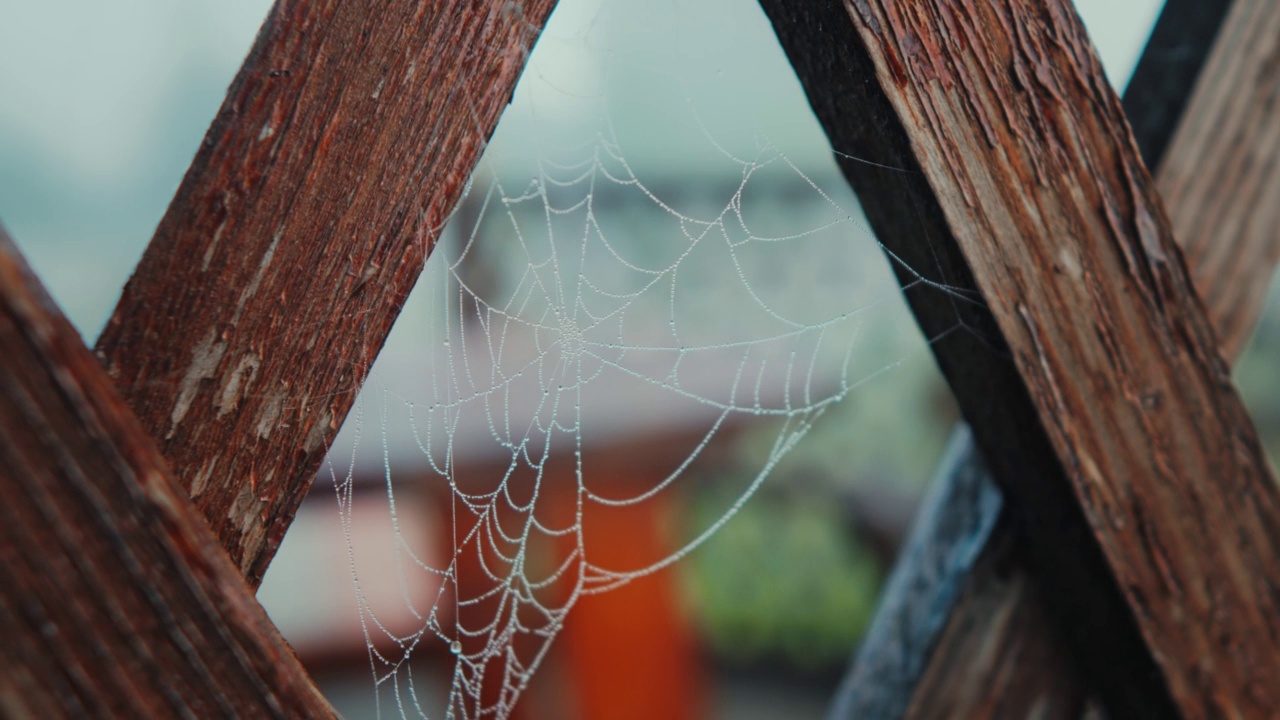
104 105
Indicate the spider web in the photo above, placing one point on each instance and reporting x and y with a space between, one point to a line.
585 295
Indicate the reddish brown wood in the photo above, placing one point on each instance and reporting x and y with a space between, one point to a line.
1226 180
302 224
998 656
959 680
1026 166
1221 179
115 598
917 659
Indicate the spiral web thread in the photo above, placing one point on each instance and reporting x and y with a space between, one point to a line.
577 299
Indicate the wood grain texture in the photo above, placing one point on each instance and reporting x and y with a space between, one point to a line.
1221 177
303 223
1233 292
998 655
902 209
1030 170
115 598
952 528
1156 97
957 681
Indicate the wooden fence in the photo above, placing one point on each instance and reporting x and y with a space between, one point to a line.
1139 548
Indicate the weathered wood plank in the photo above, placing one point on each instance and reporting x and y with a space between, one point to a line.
952 527
901 209
1017 668
1155 99
1237 74
303 223
115 598
959 681
1221 177
1017 152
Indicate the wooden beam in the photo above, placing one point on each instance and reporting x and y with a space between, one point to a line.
1018 669
275 275
1094 386
952 528
957 679
1234 291
115 598
963 650
1221 177
1156 97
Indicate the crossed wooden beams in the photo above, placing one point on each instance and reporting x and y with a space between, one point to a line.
960 632
1087 367
240 342
997 655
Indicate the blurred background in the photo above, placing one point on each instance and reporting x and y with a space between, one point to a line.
103 106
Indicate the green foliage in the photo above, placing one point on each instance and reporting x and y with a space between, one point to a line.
782 578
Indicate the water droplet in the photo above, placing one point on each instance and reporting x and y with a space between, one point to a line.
456 647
